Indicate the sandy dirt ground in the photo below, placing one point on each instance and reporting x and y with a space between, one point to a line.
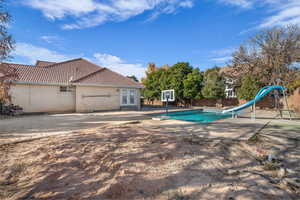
143 160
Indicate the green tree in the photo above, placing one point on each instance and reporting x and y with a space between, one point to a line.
165 79
193 85
178 74
214 87
249 88
152 90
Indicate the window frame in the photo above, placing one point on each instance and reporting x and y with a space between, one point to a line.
129 93
64 89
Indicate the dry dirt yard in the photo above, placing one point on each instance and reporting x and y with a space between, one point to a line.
137 161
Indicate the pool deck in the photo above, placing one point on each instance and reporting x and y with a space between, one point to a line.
37 126
241 128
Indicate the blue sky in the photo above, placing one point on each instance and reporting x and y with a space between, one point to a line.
125 35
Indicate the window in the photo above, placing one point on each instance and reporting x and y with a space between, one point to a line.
132 97
65 89
128 97
124 97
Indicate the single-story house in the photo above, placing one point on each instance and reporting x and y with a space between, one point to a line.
72 86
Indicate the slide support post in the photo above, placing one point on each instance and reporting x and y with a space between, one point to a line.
254 111
167 106
287 105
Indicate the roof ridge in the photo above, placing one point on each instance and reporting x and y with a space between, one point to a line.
125 77
17 64
91 62
37 61
92 73
67 61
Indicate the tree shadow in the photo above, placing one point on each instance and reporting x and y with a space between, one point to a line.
133 162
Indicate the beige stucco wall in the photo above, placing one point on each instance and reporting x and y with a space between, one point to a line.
45 98
42 98
89 99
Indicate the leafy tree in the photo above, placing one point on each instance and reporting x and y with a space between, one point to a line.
133 77
181 77
165 79
193 85
214 87
7 75
249 88
178 74
152 84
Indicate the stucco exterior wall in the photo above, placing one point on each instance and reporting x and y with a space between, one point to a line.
42 98
89 99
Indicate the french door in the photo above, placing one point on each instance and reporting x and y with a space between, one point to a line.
128 97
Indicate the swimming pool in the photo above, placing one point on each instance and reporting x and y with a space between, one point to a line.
198 116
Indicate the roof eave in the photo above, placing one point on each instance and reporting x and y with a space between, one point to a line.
108 85
78 84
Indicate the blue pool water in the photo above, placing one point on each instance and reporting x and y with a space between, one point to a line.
198 116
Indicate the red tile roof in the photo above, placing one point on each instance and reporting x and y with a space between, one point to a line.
78 71
41 63
105 76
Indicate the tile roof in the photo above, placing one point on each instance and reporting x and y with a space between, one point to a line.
105 76
41 63
79 71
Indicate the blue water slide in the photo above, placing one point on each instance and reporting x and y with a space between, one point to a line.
263 92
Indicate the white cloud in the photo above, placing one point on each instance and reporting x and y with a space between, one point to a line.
282 12
221 60
33 53
50 38
285 14
54 9
223 52
240 3
89 13
221 56
118 65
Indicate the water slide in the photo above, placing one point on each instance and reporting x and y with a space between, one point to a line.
263 92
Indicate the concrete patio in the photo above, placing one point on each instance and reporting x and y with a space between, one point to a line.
36 126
